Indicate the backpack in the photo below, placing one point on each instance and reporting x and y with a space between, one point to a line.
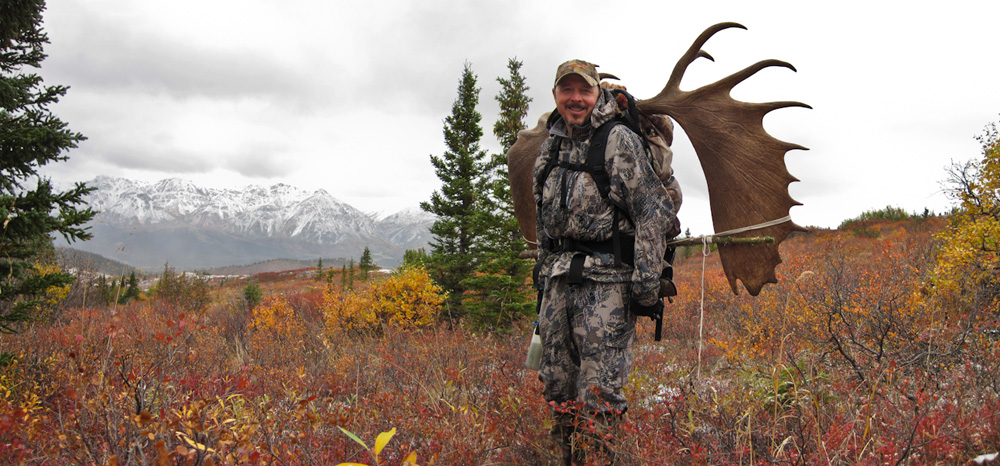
621 246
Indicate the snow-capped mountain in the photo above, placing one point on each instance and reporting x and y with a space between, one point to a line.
398 227
149 224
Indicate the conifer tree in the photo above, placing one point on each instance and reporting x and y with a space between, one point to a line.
501 290
319 270
462 170
350 275
366 265
104 291
31 137
415 258
252 295
132 288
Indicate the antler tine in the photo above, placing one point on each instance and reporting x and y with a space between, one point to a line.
786 104
763 108
729 82
693 53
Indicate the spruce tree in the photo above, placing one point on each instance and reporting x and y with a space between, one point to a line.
350 275
462 170
501 291
31 137
104 291
319 269
513 100
252 295
366 265
415 258
132 291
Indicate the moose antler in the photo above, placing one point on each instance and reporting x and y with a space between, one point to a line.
744 165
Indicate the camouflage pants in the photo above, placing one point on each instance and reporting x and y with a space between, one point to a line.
587 337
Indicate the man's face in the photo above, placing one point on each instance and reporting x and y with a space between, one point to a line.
575 99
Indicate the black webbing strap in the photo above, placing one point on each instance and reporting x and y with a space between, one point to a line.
575 276
623 250
596 159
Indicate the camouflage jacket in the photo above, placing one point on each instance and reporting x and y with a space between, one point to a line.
589 217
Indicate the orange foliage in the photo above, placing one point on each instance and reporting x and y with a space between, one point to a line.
849 359
275 321
861 298
408 299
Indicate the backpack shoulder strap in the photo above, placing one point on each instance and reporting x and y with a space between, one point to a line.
596 168
553 159
596 160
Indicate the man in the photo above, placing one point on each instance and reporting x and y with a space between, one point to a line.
591 294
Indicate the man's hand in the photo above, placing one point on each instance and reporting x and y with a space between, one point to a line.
654 311
667 288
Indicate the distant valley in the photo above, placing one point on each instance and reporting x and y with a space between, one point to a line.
147 225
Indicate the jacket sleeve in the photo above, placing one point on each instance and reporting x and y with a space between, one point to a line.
636 187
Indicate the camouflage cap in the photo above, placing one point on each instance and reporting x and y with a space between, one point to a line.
580 67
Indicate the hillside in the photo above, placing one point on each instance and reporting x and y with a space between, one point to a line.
274 265
78 261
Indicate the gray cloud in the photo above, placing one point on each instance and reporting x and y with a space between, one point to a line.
260 161
100 53
160 161
350 96
153 67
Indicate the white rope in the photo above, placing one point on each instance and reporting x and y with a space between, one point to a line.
705 241
758 226
701 323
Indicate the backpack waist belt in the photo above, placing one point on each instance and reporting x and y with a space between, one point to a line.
626 254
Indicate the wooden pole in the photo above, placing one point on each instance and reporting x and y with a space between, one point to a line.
722 241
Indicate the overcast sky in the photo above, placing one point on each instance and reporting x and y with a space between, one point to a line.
350 97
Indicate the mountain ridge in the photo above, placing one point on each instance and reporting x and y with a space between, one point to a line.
148 224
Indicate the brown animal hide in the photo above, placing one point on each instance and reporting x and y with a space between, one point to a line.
520 171
743 164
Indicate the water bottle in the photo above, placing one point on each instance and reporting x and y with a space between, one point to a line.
534 351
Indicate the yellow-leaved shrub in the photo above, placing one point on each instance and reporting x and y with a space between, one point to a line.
969 255
274 320
53 295
408 298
